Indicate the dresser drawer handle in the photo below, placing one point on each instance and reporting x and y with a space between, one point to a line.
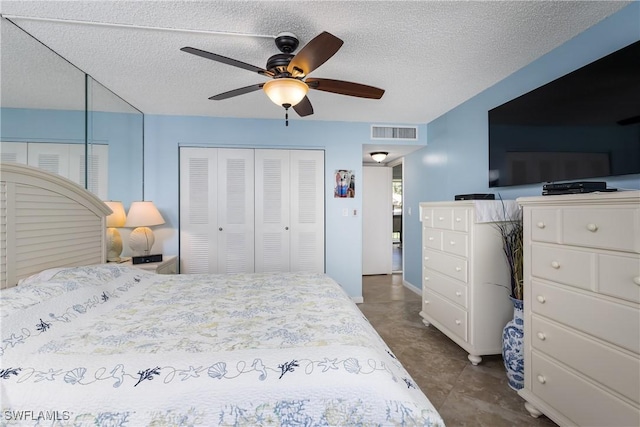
541 224
592 227
458 269
541 299
426 258
458 293
426 279
427 218
430 238
458 322
458 219
452 243
555 264
440 218
426 301
541 336
636 280
541 379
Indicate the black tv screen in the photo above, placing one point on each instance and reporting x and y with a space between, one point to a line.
581 126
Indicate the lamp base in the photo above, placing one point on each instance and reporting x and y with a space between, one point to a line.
114 245
141 241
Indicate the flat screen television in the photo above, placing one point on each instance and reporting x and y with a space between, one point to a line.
581 126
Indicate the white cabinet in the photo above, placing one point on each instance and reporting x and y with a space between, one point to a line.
245 210
581 308
465 275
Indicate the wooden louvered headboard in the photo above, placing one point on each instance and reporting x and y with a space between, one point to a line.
46 221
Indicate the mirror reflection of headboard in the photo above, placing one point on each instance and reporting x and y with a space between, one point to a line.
46 221
57 118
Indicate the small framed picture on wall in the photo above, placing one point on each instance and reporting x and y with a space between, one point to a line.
345 186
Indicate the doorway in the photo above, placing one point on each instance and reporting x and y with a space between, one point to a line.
396 185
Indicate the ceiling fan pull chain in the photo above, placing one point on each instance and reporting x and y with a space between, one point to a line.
286 114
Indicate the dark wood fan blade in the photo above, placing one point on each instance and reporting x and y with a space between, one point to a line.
345 88
236 92
304 107
225 60
314 54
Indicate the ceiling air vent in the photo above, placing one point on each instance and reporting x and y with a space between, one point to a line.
394 132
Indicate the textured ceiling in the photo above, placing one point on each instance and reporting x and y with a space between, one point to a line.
429 56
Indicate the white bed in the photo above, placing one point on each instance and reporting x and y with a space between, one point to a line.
111 345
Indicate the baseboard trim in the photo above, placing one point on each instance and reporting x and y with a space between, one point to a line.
411 287
358 300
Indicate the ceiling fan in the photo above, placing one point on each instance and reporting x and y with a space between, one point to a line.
289 84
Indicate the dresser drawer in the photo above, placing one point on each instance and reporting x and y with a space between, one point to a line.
451 289
562 265
443 218
602 363
616 323
432 238
426 216
578 399
461 219
619 276
450 265
455 243
544 225
611 228
448 315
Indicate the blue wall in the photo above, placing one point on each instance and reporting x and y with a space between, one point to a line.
342 142
456 158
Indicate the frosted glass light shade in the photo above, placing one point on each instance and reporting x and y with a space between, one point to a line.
379 156
285 91
142 215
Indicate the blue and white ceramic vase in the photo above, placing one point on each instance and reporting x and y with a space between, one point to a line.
513 347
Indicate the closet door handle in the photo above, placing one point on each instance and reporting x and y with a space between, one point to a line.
220 229
286 228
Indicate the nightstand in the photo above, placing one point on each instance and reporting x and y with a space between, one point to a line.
168 265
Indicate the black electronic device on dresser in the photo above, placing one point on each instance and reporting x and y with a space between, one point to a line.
578 187
475 196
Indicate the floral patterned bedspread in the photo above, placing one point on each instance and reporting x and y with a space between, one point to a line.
117 346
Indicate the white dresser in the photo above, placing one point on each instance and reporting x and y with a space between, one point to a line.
581 308
465 275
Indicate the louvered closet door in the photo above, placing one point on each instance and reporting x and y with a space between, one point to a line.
272 211
235 210
307 210
198 210
14 152
51 157
98 165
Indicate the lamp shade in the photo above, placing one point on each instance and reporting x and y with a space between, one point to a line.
285 91
379 156
118 217
143 214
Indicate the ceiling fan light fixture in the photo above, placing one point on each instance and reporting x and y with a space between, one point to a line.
379 156
286 91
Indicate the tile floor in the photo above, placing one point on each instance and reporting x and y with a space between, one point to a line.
465 395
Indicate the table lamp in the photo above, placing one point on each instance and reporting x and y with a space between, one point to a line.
142 215
114 240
